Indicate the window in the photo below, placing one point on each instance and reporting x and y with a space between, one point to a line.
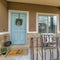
47 24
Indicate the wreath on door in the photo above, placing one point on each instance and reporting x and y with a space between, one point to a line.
19 22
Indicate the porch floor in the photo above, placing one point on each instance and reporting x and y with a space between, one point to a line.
28 57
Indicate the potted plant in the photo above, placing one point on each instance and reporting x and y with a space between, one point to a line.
4 50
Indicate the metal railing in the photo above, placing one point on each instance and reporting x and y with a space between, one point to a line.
43 47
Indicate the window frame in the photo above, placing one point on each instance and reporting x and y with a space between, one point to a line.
47 14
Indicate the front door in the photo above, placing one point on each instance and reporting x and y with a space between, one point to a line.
18 27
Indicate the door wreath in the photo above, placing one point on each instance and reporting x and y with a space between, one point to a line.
19 22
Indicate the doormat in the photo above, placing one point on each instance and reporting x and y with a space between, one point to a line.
20 51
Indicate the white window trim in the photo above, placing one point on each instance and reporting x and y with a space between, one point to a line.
38 13
18 11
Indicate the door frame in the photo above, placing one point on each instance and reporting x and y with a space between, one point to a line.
9 20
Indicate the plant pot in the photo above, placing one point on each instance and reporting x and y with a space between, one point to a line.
4 53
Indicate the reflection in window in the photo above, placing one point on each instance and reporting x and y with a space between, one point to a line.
42 24
47 24
52 24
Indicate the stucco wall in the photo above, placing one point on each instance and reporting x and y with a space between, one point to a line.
3 20
3 16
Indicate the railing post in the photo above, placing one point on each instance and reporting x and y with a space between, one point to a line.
41 40
37 48
57 48
32 49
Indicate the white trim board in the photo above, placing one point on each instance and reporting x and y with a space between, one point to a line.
2 33
38 13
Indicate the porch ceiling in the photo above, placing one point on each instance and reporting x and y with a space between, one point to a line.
42 2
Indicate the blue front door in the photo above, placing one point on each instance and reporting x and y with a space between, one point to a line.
18 28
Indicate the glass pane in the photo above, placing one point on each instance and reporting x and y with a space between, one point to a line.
42 24
52 24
